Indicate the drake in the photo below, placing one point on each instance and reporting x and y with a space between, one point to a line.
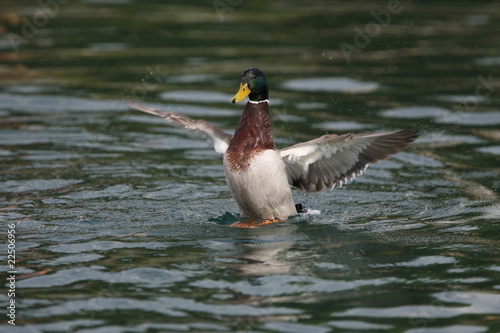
260 176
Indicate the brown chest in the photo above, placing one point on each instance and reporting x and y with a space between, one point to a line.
253 135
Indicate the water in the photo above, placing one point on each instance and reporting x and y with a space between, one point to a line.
123 223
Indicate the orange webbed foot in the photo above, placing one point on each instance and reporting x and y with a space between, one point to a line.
252 223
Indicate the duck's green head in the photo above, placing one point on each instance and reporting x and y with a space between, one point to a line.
254 85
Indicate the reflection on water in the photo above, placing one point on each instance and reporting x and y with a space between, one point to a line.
258 254
123 223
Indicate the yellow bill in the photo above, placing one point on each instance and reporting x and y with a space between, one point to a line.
241 94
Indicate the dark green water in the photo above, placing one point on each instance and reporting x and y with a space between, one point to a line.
122 221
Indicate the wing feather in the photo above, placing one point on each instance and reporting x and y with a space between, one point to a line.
219 138
332 160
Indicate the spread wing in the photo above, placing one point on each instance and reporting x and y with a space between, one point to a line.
219 138
332 160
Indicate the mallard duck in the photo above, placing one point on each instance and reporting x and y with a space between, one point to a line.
260 176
